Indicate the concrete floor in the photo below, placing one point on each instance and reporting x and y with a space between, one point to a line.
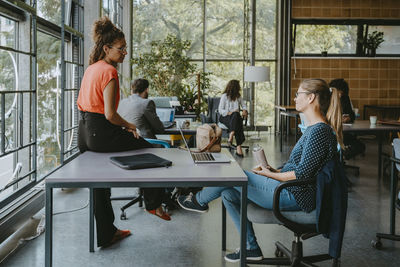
192 239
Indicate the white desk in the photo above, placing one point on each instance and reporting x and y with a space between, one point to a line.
94 170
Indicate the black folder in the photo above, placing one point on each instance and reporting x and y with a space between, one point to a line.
140 161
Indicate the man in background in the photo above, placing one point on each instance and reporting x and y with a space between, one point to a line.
140 110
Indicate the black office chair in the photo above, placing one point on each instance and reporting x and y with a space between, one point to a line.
394 200
213 117
139 198
302 224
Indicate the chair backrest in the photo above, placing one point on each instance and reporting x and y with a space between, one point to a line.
213 104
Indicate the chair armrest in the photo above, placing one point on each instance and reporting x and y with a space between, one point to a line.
277 193
395 160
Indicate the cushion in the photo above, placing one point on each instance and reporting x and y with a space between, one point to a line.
257 214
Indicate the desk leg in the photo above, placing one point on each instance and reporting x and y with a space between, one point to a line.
223 227
281 128
393 190
243 225
380 137
49 227
91 221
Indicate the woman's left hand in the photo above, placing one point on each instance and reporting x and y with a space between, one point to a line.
261 170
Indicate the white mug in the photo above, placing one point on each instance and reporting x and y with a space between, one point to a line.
372 120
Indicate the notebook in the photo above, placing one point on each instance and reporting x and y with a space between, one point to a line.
167 116
205 157
140 161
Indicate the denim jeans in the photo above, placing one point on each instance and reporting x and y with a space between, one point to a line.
260 190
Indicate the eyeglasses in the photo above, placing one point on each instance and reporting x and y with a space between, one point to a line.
121 49
302 92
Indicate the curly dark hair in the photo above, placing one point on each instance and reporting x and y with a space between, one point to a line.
104 33
232 90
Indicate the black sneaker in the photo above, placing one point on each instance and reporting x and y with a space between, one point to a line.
189 202
251 254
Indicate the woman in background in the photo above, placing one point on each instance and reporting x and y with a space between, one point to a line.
352 144
229 108
102 129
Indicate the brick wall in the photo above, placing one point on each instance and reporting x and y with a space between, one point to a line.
346 9
372 81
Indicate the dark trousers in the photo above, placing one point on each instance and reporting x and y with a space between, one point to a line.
96 133
234 122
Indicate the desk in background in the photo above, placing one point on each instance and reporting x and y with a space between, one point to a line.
94 170
364 127
384 109
286 112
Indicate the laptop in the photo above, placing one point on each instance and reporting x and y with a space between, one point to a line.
205 157
167 116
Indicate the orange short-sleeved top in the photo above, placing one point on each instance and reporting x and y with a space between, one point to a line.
95 79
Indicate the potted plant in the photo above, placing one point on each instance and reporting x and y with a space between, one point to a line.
325 43
170 71
372 42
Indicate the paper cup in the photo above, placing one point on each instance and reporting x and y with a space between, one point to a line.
372 120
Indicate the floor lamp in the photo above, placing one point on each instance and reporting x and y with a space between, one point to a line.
255 74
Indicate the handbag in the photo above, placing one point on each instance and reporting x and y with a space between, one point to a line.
208 138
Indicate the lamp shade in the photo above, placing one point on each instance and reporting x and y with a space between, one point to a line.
256 74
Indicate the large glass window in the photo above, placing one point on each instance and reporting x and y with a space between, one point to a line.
225 41
225 29
31 90
154 20
335 39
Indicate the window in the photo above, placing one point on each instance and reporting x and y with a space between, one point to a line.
224 40
335 39
391 35
27 98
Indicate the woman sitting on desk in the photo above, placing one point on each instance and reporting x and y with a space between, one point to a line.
229 108
318 145
102 129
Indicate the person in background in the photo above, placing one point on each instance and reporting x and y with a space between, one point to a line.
353 146
229 108
141 111
102 129
318 145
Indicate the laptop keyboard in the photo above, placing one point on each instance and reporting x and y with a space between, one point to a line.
204 156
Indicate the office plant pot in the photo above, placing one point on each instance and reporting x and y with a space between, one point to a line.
324 53
371 52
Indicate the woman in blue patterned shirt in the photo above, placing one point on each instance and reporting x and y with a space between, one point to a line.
321 107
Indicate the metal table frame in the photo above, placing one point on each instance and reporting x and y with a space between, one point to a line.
109 184
364 127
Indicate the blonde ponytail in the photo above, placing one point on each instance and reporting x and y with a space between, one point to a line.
334 115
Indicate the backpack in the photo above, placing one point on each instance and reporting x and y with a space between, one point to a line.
208 138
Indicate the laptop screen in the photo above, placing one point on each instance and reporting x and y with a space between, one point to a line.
166 114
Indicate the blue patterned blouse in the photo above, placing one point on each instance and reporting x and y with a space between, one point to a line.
314 149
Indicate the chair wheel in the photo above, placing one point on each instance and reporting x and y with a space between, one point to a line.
123 216
377 244
278 253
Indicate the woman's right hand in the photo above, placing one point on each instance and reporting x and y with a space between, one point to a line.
132 128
